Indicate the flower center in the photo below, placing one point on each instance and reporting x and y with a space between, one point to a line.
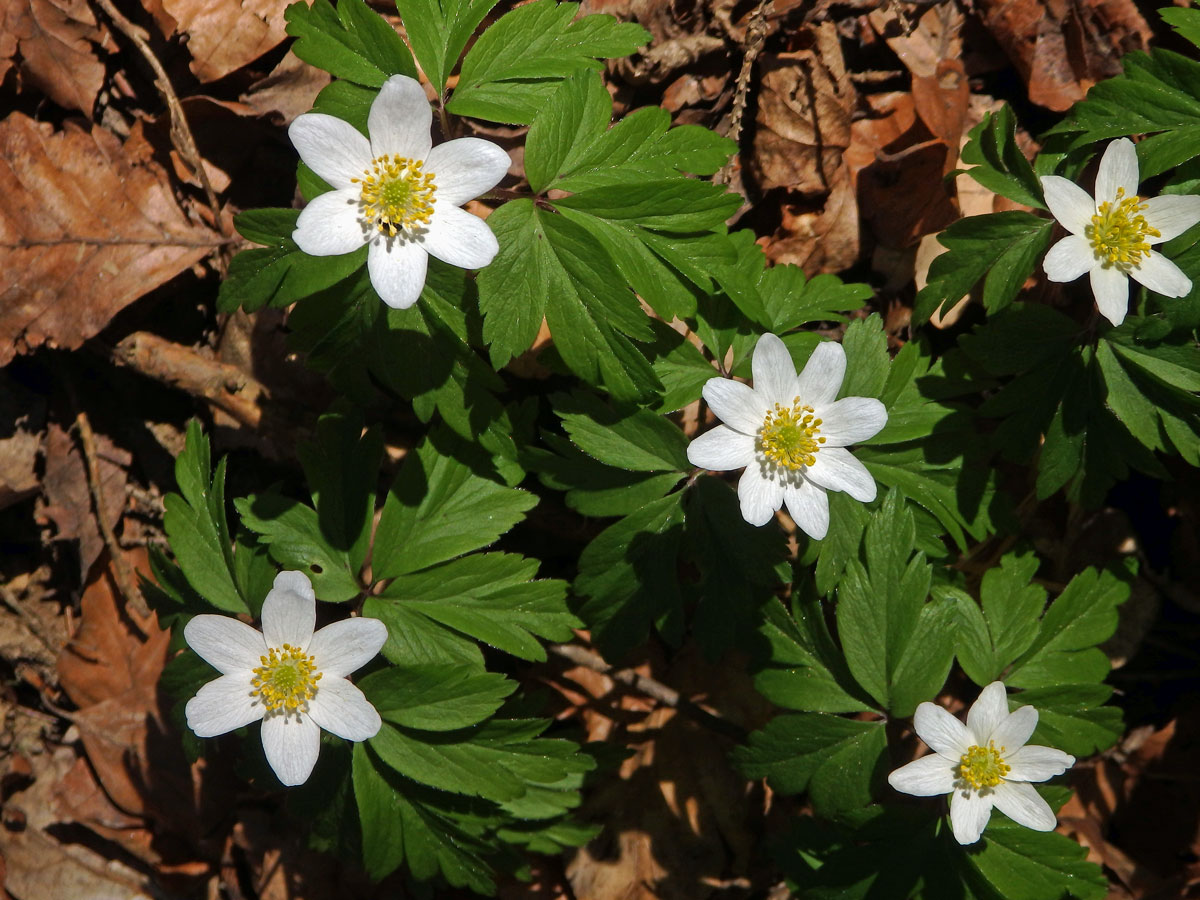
396 194
983 767
789 436
1118 232
286 680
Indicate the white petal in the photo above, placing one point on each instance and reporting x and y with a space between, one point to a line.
941 731
740 407
222 705
341 708
1011 734
1162 276
225 643
1068 202
455 236
1036 763
290 611
988 712
925 777
851 420
465 168
397 268
969 814
1172 215
1111 290
808 505
1118 169
400 118
835 469
759 496
774 372
722 449
331 147
822 377
340 648
1069 258
1025 806
291 744
331 225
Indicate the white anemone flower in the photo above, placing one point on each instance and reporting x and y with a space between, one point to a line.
1111 235
790 434
394 193
982 764
292 679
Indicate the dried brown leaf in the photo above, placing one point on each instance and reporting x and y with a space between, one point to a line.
805 103
288 91
224 35
87 225
824 238
56 43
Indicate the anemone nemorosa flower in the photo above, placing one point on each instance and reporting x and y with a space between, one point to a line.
394 193
982 764
291 679
1111 235
790 434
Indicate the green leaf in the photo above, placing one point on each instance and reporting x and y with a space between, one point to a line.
867 359
998 163
1072 717
791 300
1003 246
436 697
1021 864
439 30
491 597
352 42
398 829
578 111
196 527
1081 617
342 467
992 637
837 760
898 647
293 536
281 274
628 575
439 509
625 436
499 83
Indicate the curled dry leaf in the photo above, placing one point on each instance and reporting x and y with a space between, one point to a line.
87 226
53 43
805 102
224 35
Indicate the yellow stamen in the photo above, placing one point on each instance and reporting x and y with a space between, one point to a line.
1118 232
396 194
983 767
789 436
286 680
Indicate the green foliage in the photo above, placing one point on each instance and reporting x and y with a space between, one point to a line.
351 42
439 30
502 85
1001 248
998 163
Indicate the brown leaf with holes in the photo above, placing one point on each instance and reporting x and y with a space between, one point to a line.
53 43
223 35
87 226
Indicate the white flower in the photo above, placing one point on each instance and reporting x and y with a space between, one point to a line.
1111 235
395 193
985 763
790 434
292 679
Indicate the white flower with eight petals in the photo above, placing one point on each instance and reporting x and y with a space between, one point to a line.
1111 236
292 679
982 764
790 434
394 193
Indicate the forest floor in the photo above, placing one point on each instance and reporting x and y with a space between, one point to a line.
133 133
